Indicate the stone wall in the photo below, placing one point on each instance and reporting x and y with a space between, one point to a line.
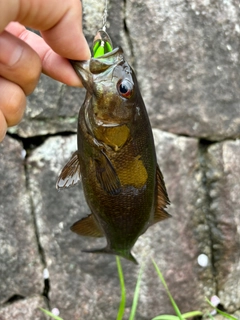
186 57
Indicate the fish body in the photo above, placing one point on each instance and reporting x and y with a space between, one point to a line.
123 185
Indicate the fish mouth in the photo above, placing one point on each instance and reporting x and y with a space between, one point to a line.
96 66
106 61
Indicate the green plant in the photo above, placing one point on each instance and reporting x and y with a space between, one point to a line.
179 315
123 290
226 315
121 310
48 313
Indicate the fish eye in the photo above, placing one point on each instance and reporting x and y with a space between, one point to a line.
125 88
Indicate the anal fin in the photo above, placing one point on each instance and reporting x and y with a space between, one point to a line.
70 174
87 227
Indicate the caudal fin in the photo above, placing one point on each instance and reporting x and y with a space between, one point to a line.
122 253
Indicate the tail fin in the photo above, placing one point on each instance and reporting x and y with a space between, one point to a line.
122 253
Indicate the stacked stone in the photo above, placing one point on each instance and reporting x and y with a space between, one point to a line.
186 57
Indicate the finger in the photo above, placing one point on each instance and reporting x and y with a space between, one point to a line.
3 126
12 103
19 63
53 64
60 23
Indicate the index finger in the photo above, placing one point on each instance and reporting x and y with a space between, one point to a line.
59 21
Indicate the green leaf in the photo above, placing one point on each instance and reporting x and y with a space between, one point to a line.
192 314
166 317
136 295
226 315
123 291
50 314
175 307
185 316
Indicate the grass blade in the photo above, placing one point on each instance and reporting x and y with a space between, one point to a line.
123 291
192 314
166 317
175 307
226 315
185 316
210 316
136 295
48 313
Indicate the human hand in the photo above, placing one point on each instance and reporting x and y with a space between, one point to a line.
24 54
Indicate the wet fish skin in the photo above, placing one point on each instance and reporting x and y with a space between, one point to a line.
116 157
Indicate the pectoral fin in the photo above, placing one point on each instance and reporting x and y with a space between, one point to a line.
162 198
106 175
70 174
87 227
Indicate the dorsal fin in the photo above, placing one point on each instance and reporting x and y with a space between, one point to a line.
87 227
160 215
70 174
162 198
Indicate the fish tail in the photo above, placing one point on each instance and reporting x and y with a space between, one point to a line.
122 253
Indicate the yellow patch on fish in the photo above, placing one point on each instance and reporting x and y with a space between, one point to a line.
133 173
114 137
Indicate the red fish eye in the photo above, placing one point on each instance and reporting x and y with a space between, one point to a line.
125 88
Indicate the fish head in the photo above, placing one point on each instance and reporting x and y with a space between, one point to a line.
111 83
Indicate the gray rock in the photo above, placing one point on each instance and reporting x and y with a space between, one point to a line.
20 262
25 309
51 108
177 243
187 60
224 219
186 56
86 285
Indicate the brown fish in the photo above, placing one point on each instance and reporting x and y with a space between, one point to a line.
116 158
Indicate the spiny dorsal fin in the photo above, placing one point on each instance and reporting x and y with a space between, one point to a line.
87 227
162 198
70 174
107 175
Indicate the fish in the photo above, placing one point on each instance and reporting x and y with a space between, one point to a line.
116 158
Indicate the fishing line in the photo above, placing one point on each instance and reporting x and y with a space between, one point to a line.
105 14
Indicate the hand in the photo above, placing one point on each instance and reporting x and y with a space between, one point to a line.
24 55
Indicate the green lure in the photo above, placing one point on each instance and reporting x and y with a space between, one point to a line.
101 44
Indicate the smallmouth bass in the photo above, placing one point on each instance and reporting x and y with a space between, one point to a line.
116 159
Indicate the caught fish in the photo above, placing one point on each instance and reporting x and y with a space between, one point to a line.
116 159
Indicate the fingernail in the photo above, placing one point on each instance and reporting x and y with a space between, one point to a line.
11 51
